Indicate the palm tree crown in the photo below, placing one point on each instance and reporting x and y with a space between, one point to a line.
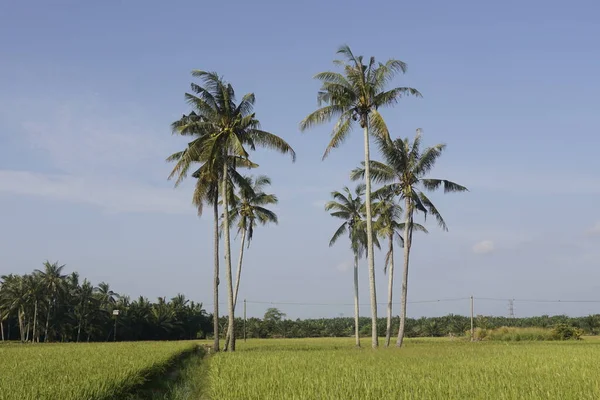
405 172
356 96
249 205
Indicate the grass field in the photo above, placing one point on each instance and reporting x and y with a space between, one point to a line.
81 371
307 369
425 369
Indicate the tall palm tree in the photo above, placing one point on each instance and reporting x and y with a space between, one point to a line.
249 210
388 225
405 170
85 301
54 283
223 131
349 207
14 298
35 294
106 295
356 95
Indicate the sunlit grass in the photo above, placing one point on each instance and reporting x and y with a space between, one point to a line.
424 369
81 371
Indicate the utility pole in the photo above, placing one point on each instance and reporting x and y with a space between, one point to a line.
116 314
472 324
244 320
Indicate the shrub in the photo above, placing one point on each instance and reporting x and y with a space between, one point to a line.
510 334
566 332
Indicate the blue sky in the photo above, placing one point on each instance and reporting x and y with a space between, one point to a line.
88 90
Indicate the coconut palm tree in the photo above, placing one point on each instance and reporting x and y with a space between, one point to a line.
35 296
405 170
388 225
206 192
54 283
15 298
250 210
356 95
223 132
350 208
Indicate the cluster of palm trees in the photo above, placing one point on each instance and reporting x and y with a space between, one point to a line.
48 305
355 96
222 131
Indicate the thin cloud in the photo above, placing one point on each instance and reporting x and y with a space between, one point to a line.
483 247
109 195
594 230
320 204
344 266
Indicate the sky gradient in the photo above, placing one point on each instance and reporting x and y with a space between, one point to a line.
88 91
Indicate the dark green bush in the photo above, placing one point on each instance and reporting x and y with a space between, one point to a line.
566 332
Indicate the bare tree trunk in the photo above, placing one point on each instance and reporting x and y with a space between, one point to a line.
27 330
238 275
370 252
35 309
407 243
388 329
228 275
216 273
2 328
356 310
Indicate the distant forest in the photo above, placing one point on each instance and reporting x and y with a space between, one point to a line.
49 306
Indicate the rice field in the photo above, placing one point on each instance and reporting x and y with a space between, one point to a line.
306 369
81 370
424 369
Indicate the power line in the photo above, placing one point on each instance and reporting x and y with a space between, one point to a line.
351 304
537 300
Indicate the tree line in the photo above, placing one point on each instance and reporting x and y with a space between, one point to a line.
274 325
48 305
223 132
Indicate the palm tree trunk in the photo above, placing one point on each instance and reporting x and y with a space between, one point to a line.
228 275
47 322
35 308
238 275
80 323
370 255
388 329
407 244
78 331
21 330
356 319
2 328
216 273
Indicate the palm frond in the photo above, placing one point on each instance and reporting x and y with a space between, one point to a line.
339 232
433 211
321 116
340 133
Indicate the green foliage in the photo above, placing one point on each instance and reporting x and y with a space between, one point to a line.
82 371
424 369
513 334
566 332
77 311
